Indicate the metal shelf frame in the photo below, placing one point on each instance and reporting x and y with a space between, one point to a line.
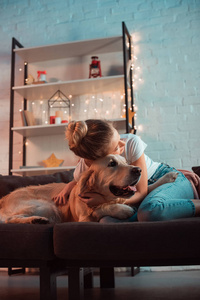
18 49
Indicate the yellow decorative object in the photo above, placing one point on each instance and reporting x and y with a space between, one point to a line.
130 115
52 161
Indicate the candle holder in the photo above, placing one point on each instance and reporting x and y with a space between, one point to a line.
59 106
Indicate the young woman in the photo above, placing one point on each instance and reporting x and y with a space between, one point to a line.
93 139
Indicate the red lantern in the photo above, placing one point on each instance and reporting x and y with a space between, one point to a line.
95 67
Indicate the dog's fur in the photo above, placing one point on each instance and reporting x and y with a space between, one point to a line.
33 204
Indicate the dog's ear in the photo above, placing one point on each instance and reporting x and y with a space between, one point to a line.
87 181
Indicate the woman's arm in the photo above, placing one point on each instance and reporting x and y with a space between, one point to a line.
142 186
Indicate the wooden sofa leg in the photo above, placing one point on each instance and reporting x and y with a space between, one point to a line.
88 278
15 271
47 284
75 283
107 277
135 271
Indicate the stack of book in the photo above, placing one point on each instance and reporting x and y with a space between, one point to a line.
27 118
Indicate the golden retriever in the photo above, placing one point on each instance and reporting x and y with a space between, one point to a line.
109 176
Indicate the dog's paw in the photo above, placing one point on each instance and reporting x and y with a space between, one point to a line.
39 220
169 177
122 211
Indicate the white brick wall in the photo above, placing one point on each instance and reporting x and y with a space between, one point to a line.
167 40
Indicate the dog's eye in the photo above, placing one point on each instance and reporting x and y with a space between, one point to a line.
112 163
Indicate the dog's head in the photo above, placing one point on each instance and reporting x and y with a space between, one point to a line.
110 176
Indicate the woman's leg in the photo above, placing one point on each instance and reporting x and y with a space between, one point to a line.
169 201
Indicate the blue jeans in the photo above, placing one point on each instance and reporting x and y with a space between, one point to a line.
168 201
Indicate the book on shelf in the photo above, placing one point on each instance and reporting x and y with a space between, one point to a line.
27 118
24 123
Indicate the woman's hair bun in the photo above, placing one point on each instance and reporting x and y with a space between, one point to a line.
76 131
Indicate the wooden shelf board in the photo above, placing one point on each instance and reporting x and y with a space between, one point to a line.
71 49
40 130
43 130
36 171
74 87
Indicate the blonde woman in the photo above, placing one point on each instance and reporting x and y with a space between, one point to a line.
93 139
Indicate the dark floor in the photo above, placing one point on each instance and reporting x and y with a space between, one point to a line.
175 285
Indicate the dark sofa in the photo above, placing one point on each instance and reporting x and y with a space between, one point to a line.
75 248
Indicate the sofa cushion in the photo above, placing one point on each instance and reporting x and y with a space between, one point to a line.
26 241
176 239
10 183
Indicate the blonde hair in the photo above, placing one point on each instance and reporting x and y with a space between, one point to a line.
90 139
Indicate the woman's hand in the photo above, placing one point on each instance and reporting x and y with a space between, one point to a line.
63 196
92 199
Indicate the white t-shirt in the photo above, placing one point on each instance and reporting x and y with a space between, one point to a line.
133 149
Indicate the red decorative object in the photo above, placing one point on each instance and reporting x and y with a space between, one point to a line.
52 119
95 67
41 75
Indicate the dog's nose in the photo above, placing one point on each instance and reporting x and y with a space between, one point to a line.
136 171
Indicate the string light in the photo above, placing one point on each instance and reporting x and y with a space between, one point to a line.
140 127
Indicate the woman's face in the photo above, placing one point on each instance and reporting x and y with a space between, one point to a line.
116 146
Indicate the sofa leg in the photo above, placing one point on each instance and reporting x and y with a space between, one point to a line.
135 271
88 278
75 283
15 271
107 277
47 284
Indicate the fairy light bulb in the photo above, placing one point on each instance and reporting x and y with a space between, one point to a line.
140 128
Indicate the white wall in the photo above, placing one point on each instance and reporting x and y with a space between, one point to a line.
167 41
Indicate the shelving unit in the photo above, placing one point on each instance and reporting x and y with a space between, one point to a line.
74 87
